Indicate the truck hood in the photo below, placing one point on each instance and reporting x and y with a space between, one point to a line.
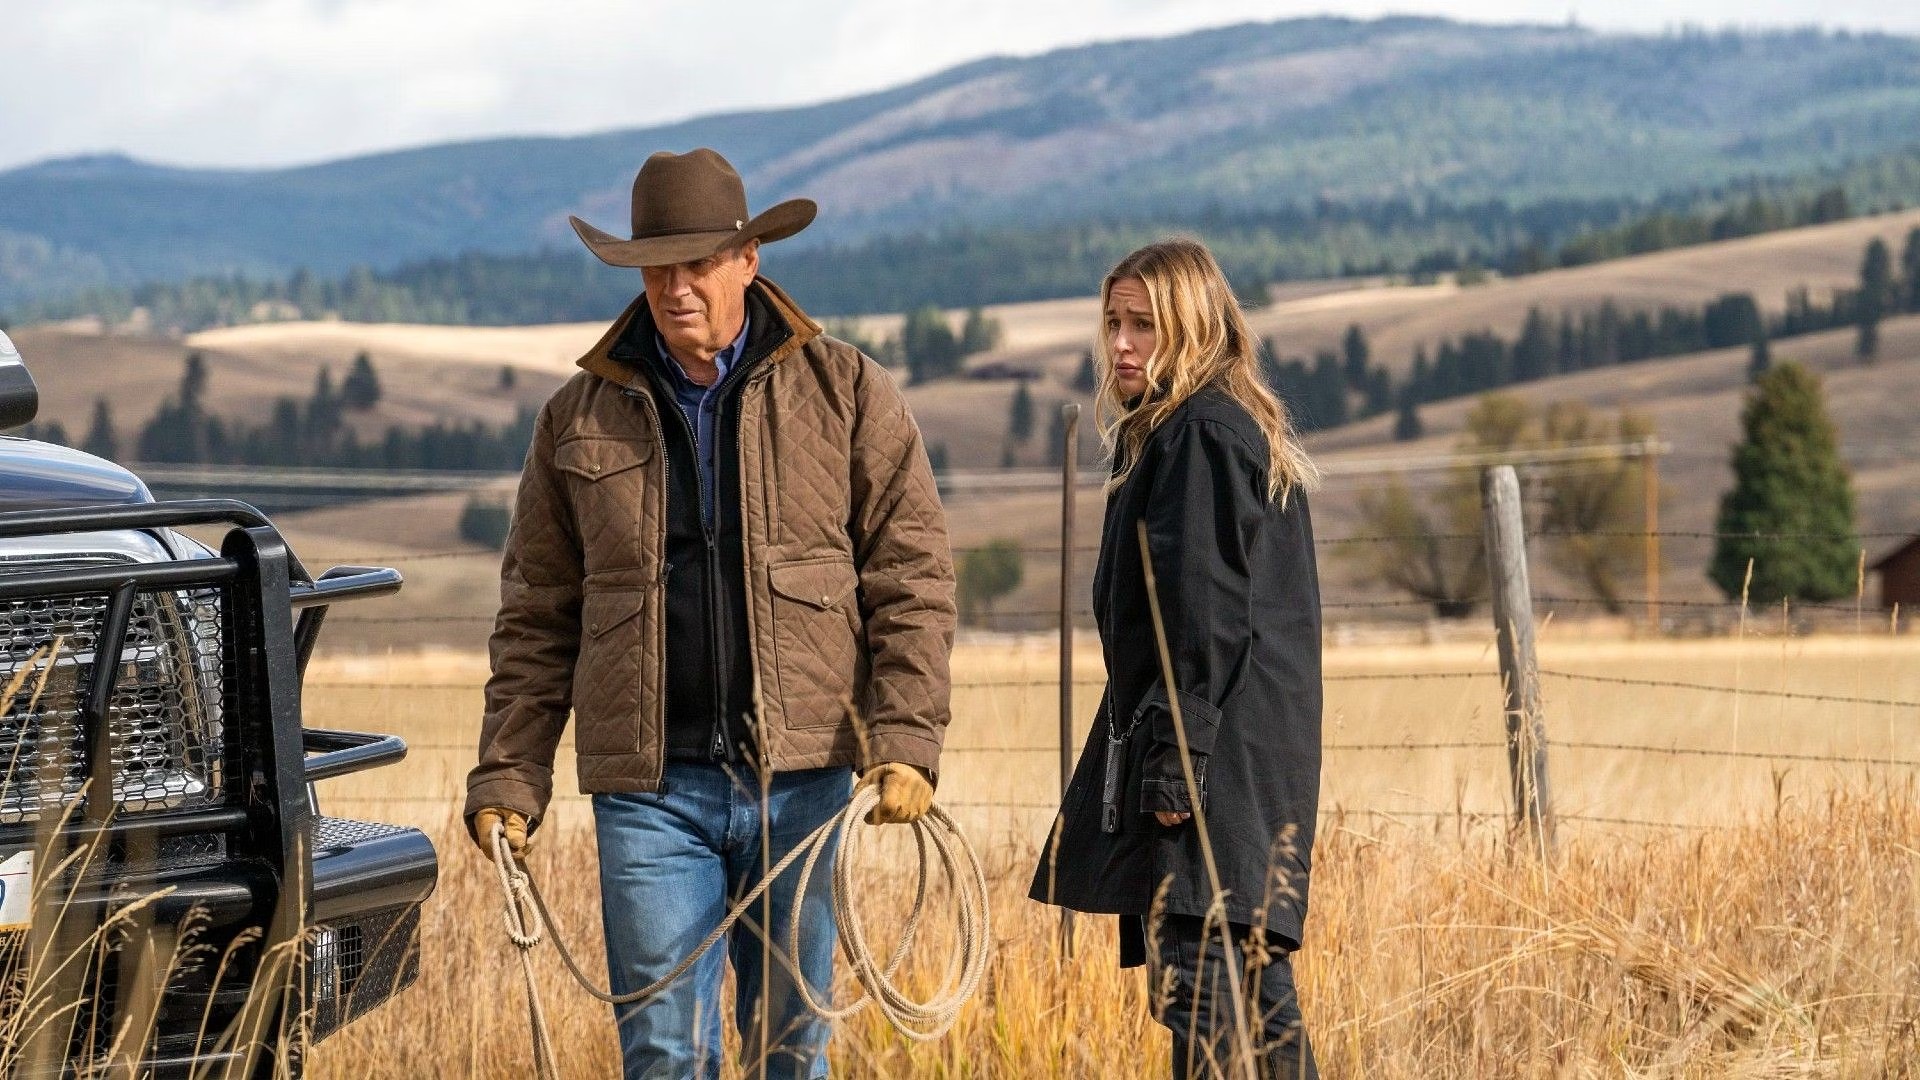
38 476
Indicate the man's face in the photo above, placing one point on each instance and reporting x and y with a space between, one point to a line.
698 306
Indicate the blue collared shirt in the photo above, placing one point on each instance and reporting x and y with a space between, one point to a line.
701 406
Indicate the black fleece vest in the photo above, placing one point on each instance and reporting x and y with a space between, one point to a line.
709 676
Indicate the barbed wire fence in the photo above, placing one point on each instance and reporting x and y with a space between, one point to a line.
1660 615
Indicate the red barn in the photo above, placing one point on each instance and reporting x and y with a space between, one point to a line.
1899 572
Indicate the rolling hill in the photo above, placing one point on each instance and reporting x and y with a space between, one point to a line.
1693 400
1239 118
452 373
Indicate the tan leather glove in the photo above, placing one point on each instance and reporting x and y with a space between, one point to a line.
905 793
514 820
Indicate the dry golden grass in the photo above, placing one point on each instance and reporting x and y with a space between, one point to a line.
1782 948
1772 936
1418 749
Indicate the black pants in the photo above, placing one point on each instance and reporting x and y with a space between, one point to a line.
1189 992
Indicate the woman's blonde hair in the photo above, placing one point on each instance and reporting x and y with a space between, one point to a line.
1200 338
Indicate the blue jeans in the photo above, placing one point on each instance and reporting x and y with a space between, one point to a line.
670 866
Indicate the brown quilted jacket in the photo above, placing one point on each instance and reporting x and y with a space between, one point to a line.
850 599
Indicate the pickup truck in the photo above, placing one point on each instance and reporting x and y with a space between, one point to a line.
172 900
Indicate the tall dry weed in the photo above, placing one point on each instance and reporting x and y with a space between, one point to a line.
1789 947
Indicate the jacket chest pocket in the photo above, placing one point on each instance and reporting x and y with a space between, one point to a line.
612 501
816 641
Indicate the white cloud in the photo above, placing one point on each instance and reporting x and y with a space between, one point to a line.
262 82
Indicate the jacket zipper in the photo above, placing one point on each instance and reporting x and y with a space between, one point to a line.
666 568
717 742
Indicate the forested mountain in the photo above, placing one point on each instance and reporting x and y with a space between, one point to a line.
1276 118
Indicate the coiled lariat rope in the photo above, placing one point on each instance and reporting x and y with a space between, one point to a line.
528 919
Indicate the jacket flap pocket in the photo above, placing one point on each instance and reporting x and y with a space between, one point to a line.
602 611
596 459
818 583
1201 718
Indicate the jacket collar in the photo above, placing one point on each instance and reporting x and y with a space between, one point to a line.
774 317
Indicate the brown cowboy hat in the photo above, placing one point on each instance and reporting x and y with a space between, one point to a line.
688 206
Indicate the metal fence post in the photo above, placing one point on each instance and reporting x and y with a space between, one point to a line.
1519 669
1650 498
1069 466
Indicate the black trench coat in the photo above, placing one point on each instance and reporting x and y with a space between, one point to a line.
1241 603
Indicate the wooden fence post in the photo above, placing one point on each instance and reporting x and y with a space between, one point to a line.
1519 670
1069 466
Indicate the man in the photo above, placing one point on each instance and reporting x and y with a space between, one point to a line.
728 557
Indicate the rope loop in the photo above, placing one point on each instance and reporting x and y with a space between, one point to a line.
524 925
527 918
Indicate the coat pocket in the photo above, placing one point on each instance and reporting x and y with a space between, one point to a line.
1163 783
616 680
596 459
818 659
608 488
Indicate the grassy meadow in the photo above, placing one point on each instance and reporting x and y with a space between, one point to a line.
1728 897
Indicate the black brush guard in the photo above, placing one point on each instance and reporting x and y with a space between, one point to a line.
315 920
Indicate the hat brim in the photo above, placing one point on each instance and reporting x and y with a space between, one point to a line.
774 223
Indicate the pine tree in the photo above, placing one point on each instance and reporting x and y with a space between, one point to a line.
1354 356
979 333
1533 353
177 431
323 409
1731 320
1378 392
1790 510
1830 205
1056 438
1910 269
932 351
1085 379
1870 306
101 441
1761 359
286 434
1020 415
1250 289
193 382
1326 393
360 390
1406 422
1420 379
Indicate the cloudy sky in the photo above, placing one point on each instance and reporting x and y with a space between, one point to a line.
271 82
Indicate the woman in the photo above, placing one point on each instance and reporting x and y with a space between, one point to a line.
1204 456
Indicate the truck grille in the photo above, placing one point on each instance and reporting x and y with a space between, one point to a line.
357 964
165 717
